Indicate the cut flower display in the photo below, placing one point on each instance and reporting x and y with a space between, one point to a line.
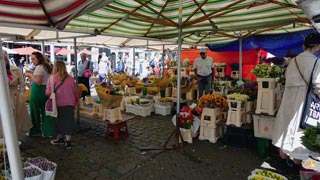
186 117
212 101
238 97
266 71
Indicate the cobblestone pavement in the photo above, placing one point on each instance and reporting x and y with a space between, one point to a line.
94 158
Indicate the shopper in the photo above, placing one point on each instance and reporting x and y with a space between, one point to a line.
287 134
103 69
16 90
203 69
83 66
66 99
38 98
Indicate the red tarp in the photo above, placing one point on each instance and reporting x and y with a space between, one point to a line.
249 60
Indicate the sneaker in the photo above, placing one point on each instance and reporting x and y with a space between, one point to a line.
68 145
58 141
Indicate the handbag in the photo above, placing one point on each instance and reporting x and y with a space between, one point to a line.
310 116
51 106
87 73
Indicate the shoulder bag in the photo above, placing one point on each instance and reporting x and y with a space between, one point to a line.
51 106
310 116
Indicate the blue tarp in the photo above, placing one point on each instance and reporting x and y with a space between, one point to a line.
276 44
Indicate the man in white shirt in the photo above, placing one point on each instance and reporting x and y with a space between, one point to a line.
203 68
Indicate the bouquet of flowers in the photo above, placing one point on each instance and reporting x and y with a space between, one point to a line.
163 83
186 118
250 89
185 63
266 71
212 101
238 97
118 78
109 96
171 63
131 82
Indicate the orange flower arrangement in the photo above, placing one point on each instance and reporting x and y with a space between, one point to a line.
212 101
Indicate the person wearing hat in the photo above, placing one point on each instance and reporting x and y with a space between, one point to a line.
203 69
287 133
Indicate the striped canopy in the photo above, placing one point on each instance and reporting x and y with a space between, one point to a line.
50 13
203 22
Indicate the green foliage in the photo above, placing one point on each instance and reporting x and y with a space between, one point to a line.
311 138
266 71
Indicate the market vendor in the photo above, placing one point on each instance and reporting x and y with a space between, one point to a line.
203 69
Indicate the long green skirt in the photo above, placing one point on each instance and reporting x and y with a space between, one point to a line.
40 121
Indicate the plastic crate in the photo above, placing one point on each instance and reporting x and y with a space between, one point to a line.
263 126
97 110
143 111
162 110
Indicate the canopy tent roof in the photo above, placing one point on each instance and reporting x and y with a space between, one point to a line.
153 23
204 22
87 39
46 13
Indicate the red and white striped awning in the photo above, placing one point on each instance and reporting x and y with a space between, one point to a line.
50 13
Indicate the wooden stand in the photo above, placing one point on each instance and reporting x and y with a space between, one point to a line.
208 128
112 115
131 90
235 74
88 99
236 114
266 96
97 110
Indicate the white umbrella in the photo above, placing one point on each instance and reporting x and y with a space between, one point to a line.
9 51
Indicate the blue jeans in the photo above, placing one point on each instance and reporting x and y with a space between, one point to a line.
204 84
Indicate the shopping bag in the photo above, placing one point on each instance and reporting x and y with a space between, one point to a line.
51 106
311 111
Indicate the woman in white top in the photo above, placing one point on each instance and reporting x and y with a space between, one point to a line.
287 133
38 98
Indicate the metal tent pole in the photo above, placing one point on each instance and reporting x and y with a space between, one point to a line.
134 63
43 49
7 121
76 76
163 63
240 57
179 58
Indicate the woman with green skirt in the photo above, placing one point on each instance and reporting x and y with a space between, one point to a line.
42 124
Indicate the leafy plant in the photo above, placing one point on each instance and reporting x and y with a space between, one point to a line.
266 71
311 138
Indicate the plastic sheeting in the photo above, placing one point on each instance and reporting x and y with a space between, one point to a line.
277 44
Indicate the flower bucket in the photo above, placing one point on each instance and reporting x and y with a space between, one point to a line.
144 91
184 96
49 174
235 104
162 93
186 135
32 173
